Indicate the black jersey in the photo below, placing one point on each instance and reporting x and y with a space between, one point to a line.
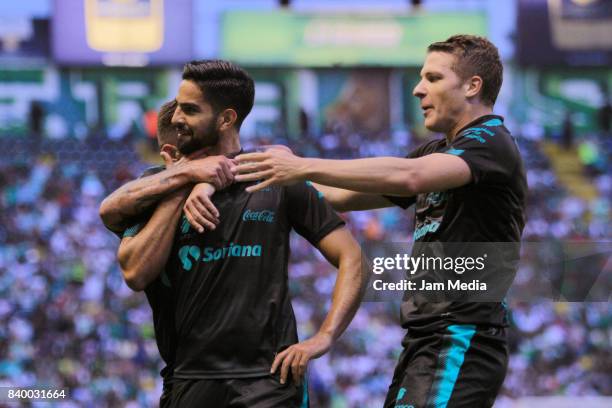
489 209
160 297
233 312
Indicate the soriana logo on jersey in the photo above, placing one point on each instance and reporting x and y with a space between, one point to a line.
189 255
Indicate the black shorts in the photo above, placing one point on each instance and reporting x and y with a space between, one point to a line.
261 392
461 366
164 399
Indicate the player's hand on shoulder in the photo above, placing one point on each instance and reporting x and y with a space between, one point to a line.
214 170
297 356
277 165
199 210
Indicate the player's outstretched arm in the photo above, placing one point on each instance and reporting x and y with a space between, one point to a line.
143 256
341 250
378 175
343 200
120 207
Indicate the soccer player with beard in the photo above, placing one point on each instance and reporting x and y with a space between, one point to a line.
468 187
235 328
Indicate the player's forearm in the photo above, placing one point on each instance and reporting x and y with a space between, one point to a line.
143 257
133 198
379 175
348 292
337 197
346 200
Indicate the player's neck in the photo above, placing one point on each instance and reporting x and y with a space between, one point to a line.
471 113
228 144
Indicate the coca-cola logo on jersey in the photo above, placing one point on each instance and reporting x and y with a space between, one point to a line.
261 216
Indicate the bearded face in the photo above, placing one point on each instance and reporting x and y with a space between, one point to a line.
195 119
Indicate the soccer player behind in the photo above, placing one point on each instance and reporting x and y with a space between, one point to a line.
468 187
131 255
235 328
158 292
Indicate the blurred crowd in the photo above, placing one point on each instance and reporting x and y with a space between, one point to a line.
68 320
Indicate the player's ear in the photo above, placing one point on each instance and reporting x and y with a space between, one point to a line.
169 152
227 119
473 86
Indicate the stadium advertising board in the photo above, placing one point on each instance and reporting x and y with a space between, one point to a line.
122 33
295 39
565 32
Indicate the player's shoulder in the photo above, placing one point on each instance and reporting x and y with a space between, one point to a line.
490 125
300 194
489 128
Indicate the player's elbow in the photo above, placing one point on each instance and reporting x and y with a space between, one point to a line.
135 284
134 280
353 263
107 213
354 267
133 273
351 257
104 210
407 183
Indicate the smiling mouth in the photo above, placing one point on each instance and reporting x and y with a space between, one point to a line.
183 133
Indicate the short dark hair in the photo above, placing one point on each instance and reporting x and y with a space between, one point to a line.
166 132
475 56
224 84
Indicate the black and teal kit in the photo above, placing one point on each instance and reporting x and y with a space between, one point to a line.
233 313
221 307
447 338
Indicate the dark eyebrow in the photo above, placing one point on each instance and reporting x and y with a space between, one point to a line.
188 105
434 74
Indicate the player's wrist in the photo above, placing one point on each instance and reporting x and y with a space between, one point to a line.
306 168
208 188
190 173
182 173
325 335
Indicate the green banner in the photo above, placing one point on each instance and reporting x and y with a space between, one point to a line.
323 40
